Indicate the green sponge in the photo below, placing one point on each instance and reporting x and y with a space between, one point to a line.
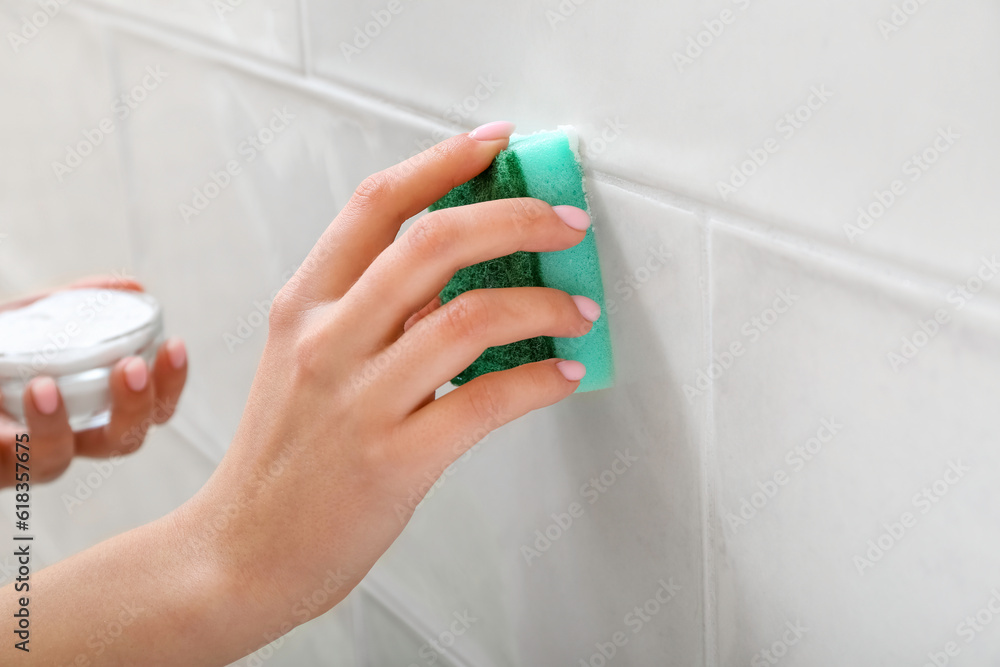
544 166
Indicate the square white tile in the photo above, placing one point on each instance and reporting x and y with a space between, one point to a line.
820 108
326 641
610 479
62 209
96 499
233 179
826 446
268 30
386 639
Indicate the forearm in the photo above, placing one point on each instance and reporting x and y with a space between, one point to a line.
151 596
341 430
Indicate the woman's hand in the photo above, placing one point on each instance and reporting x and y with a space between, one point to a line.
139 399
341 436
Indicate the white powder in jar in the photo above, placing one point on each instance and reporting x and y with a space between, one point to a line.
75 336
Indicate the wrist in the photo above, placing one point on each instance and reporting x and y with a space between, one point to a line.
237 522
226 604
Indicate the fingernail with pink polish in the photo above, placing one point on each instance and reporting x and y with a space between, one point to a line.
176 353
588 308
572 370
500 129
575 217
136 374
45 394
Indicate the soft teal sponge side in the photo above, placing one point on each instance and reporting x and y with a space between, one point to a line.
544 166
553 174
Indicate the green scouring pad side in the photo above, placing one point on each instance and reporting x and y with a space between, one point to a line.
544 166
503 179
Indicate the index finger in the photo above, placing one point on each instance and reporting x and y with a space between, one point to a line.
384 201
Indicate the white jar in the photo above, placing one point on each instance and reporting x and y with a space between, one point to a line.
76 336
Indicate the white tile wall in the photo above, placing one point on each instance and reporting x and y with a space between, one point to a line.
822 446
267 29
686 126
473 541
57 91
217 244
385 640
688 276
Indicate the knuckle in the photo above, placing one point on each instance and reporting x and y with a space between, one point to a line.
467 316
128 440
441 152
565 314
413 164
432 234
381 460
560 302
132 440
374 458
542 379
486 404
523 214
309 351
281 308
448 151
164 410
374 190
133 428
54 465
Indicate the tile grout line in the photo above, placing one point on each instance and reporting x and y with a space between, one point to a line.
877 268
333 91
305 47
191 433
874 271
165 34
381 593
358 628
113 69
707 468
792 234
713 217
275 72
